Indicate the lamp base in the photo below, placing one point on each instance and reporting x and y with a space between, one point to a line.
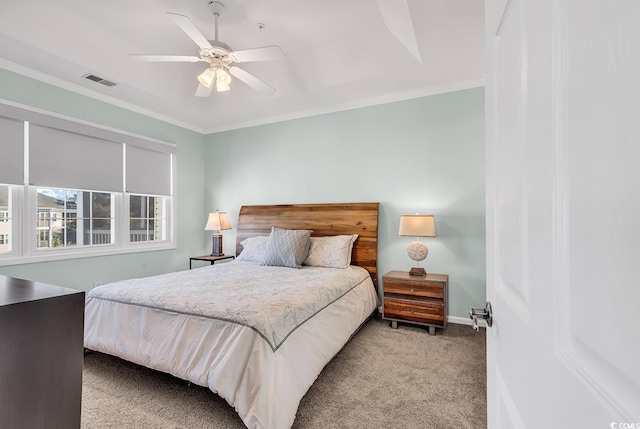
216 245
417 271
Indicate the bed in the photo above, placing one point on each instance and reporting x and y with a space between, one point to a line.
257 335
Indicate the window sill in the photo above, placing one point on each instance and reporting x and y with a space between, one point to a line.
77 253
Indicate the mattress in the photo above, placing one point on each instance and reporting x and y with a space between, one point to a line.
257 336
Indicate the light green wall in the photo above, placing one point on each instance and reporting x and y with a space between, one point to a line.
83 273
423 155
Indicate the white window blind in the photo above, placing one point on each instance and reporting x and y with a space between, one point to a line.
11 151
148 171
66 159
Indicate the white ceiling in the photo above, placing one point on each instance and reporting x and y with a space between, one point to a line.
339 54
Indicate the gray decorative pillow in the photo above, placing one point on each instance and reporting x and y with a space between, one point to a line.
287 247
253 248
331 252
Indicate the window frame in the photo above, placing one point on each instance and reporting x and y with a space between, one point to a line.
64 218
23 198
15 201
167 205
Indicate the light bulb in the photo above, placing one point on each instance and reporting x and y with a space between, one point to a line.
222 80
206 77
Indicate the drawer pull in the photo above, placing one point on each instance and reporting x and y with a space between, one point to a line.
412 290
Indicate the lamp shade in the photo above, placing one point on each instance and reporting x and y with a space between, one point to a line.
417 226
222 80
206 77
217 221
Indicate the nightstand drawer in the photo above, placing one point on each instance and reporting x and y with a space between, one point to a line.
415 299
411 289
432 313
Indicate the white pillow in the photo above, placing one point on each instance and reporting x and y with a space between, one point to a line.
331 252
287 247
253 248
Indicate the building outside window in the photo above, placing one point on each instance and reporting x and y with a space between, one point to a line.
5 219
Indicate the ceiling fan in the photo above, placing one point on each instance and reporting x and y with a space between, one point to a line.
220 56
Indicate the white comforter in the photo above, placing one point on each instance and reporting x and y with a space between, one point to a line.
258 336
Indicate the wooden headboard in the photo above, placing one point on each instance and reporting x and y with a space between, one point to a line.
324 220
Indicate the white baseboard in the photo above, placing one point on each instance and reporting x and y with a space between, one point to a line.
456 319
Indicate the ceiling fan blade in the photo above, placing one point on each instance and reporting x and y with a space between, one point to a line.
166 58
190 29
203 91
397 17
252 81
267 53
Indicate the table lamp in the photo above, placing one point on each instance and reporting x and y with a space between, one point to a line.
217 221
417 226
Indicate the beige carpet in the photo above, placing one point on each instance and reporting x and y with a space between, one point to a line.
383 378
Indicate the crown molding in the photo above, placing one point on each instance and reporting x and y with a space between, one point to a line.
374 101
60 83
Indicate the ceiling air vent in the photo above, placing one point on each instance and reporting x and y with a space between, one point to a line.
98 79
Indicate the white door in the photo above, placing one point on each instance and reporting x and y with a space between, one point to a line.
563 213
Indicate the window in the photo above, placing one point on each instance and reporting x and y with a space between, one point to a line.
69 217
147 218
5 219
69 189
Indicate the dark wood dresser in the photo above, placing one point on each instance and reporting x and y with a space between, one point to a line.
421 300
41 355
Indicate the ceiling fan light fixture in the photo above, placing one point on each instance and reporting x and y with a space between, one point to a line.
222 80
206 77
219 57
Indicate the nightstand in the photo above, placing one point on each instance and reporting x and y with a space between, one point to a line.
210 258
421 300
